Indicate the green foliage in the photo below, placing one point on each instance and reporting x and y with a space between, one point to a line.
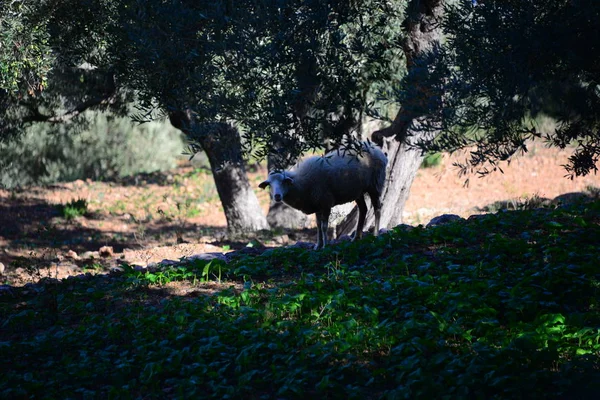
74 208
108 147
494 307
432 160
505 63
25 57
288 73
196 271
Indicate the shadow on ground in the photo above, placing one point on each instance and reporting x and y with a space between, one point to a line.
36 229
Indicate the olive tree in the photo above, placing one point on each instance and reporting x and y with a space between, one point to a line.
506 62
480 73
287 75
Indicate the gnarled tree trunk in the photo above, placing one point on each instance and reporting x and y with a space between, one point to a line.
221 143
423 30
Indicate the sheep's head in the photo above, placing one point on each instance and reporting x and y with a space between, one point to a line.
280 183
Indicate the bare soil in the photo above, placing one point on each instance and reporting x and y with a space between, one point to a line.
150 218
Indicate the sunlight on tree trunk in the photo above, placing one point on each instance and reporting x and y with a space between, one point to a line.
423 29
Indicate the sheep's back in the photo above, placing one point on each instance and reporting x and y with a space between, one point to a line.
336 178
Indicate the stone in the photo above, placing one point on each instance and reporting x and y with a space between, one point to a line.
207 257
90 255
443 219
106 251
72 254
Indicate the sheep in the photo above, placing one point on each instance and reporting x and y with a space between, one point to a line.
318 183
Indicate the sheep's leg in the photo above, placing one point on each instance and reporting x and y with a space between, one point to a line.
325 226
319 234
362 213
322 226
377 210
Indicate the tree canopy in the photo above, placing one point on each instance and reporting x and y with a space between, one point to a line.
291 73
506 62
287 73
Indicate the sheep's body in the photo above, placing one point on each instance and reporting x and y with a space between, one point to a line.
319 183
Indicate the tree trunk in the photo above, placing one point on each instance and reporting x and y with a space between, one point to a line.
221 143
285 217
423 30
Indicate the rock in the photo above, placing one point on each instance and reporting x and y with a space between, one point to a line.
106 251
570 198
207 257
168 263
90 255
84 277
220 236
281 239
72 254
207 239
404 227
383 231
443 219
343 238
152 267
5 289
303 245
249 251
283 216
138 264
477 217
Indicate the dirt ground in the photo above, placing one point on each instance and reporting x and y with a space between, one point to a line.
160 216
538 173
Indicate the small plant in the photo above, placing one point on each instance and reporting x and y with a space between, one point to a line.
74 209
432 160
94 267
119 207
593 191
61 153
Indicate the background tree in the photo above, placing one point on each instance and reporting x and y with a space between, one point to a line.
501 65
506 62
289 75
414 122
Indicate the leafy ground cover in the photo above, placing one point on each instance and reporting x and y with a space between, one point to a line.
504 305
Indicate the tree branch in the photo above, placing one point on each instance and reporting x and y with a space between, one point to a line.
37 116
104 100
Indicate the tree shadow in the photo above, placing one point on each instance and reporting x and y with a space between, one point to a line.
160 178
37 230
533 202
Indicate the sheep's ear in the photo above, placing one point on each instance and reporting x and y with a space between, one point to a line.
264 184
287 180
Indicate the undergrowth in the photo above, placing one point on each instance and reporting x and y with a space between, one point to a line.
73 208
499 306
